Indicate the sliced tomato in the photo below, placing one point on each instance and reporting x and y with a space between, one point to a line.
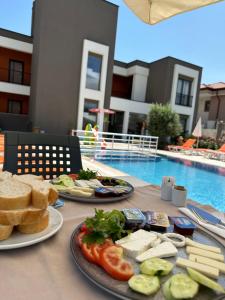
97 248
113 263
84 228
86 250
73 176
80 237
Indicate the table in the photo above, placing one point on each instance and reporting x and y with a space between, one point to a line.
46 271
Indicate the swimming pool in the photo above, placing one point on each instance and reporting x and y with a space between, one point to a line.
205 184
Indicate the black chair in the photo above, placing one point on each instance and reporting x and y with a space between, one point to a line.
41 154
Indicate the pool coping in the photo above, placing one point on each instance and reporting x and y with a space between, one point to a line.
195 158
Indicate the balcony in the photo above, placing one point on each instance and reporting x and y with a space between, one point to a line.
16 77
184 100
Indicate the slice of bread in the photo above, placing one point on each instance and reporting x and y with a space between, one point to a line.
5 232
5 175
29 177
23 216
35 227
43 193
14 195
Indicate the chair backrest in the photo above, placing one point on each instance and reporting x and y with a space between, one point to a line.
41 154
189 143
222 148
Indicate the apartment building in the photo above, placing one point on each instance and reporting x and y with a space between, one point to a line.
211 108
138 84
51 79
15 78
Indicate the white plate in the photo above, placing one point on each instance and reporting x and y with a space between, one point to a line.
19 240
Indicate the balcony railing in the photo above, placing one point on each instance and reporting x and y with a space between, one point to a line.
184 100
13 76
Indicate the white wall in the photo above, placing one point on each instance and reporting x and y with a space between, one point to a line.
12 44
13 88
185 110
128 106
85 93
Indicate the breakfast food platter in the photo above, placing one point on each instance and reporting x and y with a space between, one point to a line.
181 261
94 189
19 240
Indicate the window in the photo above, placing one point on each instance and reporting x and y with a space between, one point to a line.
16 71
207 106
89 117
183 96
137 123
14 107
94 66
183 122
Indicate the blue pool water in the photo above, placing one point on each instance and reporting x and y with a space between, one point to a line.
205 184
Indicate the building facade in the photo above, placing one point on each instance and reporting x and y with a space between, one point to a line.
138 84
51 79
211 109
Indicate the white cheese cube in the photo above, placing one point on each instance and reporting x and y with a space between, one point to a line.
136 247
137 235
166 249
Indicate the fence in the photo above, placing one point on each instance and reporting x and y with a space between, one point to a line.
95 140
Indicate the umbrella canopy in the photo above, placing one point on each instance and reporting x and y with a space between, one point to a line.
154 11
102 110
198 129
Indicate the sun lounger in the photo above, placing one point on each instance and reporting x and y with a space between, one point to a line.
216 154
186 146
208 153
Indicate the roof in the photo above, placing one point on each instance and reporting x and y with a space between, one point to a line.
131 64
166 59
16 35
175 60
213 86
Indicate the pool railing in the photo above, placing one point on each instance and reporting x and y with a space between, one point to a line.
97 141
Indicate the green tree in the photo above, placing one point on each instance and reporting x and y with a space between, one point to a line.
163 121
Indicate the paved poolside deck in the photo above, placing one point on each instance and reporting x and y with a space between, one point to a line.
195 158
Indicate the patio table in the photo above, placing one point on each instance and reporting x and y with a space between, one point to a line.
46 271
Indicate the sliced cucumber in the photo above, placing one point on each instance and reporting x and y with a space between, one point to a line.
166 291
144 284
183 287
204 280
156 266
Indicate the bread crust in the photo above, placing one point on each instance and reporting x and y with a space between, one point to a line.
5 232
21 216
43 193
35 227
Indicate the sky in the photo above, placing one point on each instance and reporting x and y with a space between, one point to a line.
197 37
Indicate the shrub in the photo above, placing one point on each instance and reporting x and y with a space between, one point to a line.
208 143
163 121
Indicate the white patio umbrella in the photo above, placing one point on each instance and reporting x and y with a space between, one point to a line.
154 11
197 132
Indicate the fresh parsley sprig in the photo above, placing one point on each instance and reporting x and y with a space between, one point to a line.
87 174
105 225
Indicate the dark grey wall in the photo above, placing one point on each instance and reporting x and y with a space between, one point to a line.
59 28
159 82
161 77
14 122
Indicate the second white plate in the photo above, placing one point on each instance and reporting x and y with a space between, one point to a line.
19 240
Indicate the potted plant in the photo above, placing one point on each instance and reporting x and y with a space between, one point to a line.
164 123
